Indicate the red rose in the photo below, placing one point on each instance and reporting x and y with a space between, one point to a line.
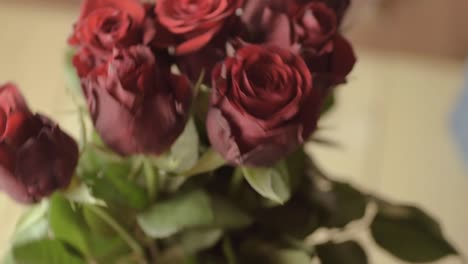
266 23
36 157
327 54
85 62
315 24
107 24
136 104
314 35
263 105
203 60
195 23
339 6
290 25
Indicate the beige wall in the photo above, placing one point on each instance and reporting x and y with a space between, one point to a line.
437 27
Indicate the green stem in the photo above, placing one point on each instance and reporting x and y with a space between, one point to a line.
83 132
131 242
236 181
137 167
151 176
229 251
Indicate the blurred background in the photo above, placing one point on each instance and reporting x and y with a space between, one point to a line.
393 121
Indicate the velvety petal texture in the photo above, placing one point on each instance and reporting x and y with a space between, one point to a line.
137 105
194 23
36 157
263 105
306 27
107 24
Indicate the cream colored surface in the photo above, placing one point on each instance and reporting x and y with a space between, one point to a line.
392 119
393 122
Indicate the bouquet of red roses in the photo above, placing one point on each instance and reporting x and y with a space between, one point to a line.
201 110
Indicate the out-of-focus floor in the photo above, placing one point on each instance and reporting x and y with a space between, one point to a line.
392 120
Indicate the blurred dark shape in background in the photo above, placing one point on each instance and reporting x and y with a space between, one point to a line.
419 26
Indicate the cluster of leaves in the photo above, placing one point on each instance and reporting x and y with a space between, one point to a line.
189 207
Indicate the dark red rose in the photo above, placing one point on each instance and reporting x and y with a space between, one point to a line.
340 7
305 27
266 23
107 24
290 26
332 68
263 105
137 105
202 61
36 157
85 62
195 23
315 24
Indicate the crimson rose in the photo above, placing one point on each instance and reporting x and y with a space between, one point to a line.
106 24
195 23
263 105
136 104
36 157
311 29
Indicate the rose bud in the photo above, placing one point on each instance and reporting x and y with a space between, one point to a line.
263 106
137 105
332 68
266 23
328 55
315 24
36 157
107 24
196 23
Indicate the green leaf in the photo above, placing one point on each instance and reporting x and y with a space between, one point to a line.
95 223
114 186
210 161
107 249
289 256
171 216
33 225
268 253
272 183
329 103
297 218
119 230
67 225
201 105
296 163
183 154
344 253
82 194
349 205
228 216
409 234
44 252
199 239
107 175
175 255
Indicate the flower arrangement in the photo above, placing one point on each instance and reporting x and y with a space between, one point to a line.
200 113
